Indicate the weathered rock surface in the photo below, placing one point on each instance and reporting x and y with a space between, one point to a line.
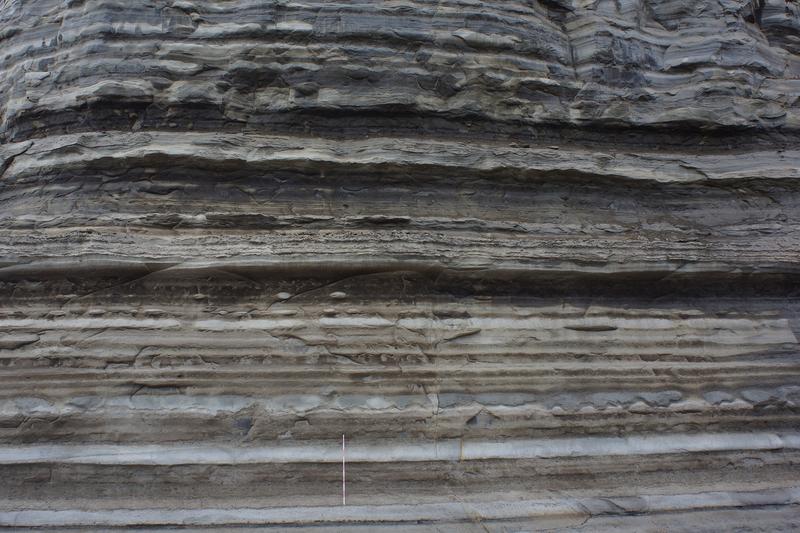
539 260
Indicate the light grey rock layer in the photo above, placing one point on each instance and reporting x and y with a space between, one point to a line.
539 261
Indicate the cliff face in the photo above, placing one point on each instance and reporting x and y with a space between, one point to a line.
539 261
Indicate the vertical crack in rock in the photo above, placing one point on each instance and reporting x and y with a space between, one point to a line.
539 261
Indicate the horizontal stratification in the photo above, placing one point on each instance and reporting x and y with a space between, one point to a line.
443 204
228 392
220 400
409 66
538 261
524 483
773 509
248 354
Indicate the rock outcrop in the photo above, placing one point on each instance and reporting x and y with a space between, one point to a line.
538 260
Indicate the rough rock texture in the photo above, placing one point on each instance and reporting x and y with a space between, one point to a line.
539 260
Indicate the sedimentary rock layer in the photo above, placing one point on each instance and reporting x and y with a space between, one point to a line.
538 261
